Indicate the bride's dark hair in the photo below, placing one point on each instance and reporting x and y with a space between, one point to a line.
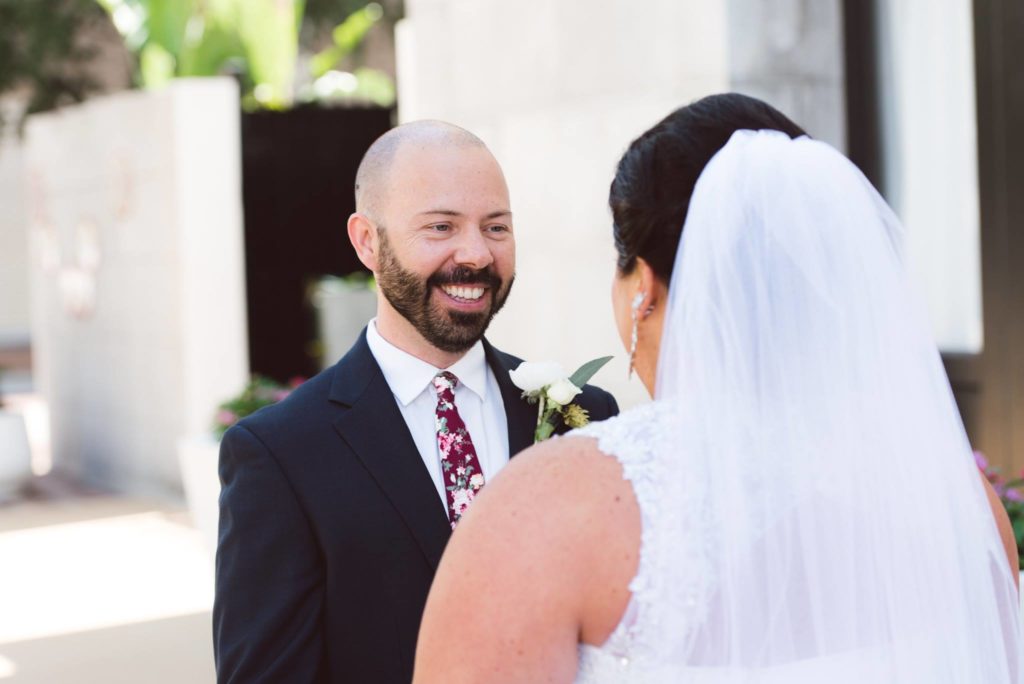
651 191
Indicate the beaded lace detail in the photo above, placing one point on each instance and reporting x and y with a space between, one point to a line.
669 592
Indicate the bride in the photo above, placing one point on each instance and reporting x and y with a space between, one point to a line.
799 502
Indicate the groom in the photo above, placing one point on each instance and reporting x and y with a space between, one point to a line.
338 502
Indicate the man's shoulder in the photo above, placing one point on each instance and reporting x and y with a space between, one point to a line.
311 401
306 404
599 403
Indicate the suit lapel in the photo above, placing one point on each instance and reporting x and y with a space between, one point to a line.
520 416
375 431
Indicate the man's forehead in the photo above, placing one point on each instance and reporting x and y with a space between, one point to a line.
409 159
456 213
448 179
412 141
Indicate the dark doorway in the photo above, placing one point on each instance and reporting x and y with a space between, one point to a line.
999 52
298 173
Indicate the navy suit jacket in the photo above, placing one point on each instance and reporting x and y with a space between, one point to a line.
331 529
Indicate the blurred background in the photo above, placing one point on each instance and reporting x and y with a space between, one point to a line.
175 177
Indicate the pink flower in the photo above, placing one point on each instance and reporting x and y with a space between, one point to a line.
296 381
461 498
444 442
980 459
1013 494
226 417
281 394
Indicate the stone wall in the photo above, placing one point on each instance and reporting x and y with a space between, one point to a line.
790 53
559 89
138 306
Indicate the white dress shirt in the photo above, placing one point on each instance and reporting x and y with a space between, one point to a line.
477 398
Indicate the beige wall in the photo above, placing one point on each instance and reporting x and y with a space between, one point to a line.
138 305
110 71
558 89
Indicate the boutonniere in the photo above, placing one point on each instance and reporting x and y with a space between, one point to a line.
546 384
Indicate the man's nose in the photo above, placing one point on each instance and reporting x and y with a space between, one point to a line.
473 250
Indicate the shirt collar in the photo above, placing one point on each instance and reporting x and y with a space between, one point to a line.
408 376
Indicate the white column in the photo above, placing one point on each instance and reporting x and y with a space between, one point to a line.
929 133
139 325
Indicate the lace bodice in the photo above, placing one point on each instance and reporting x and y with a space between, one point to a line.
667 597
671 592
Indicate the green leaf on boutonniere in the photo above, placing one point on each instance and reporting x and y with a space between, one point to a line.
587 371
544 430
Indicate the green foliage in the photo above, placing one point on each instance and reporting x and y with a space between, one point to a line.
258 40
346 36
260 392
1011 495
1015 509
269 33
329 13
39 51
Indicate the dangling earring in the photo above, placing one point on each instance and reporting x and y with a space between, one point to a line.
637 301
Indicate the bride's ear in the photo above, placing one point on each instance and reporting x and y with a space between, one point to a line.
652 288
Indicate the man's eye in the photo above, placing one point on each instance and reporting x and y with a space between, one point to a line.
497 229
442 227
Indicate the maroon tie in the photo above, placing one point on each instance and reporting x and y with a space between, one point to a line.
460 468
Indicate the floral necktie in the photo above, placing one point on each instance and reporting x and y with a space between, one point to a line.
460 467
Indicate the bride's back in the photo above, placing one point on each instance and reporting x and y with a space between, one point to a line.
800 501
808 494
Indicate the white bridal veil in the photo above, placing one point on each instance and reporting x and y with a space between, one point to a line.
842 533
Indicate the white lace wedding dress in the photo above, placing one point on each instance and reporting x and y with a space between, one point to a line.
635 440
810 507
675 581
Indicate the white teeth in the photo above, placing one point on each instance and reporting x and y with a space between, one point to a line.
468 293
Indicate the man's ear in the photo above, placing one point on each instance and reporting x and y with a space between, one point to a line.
362 233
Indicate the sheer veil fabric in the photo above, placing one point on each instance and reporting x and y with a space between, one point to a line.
838 527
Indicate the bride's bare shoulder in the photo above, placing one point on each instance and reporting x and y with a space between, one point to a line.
547 550
571 472
560 494
561 509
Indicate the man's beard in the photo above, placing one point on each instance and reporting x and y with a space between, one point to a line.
411 296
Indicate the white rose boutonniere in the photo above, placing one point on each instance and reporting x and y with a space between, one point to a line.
547 384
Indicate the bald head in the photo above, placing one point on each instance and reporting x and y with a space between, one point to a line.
374 170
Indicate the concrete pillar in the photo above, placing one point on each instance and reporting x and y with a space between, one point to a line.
138 315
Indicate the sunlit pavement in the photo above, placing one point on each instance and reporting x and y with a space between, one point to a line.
103 589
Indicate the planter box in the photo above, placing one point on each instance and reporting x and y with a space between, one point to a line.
15 456
342 311
198 457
